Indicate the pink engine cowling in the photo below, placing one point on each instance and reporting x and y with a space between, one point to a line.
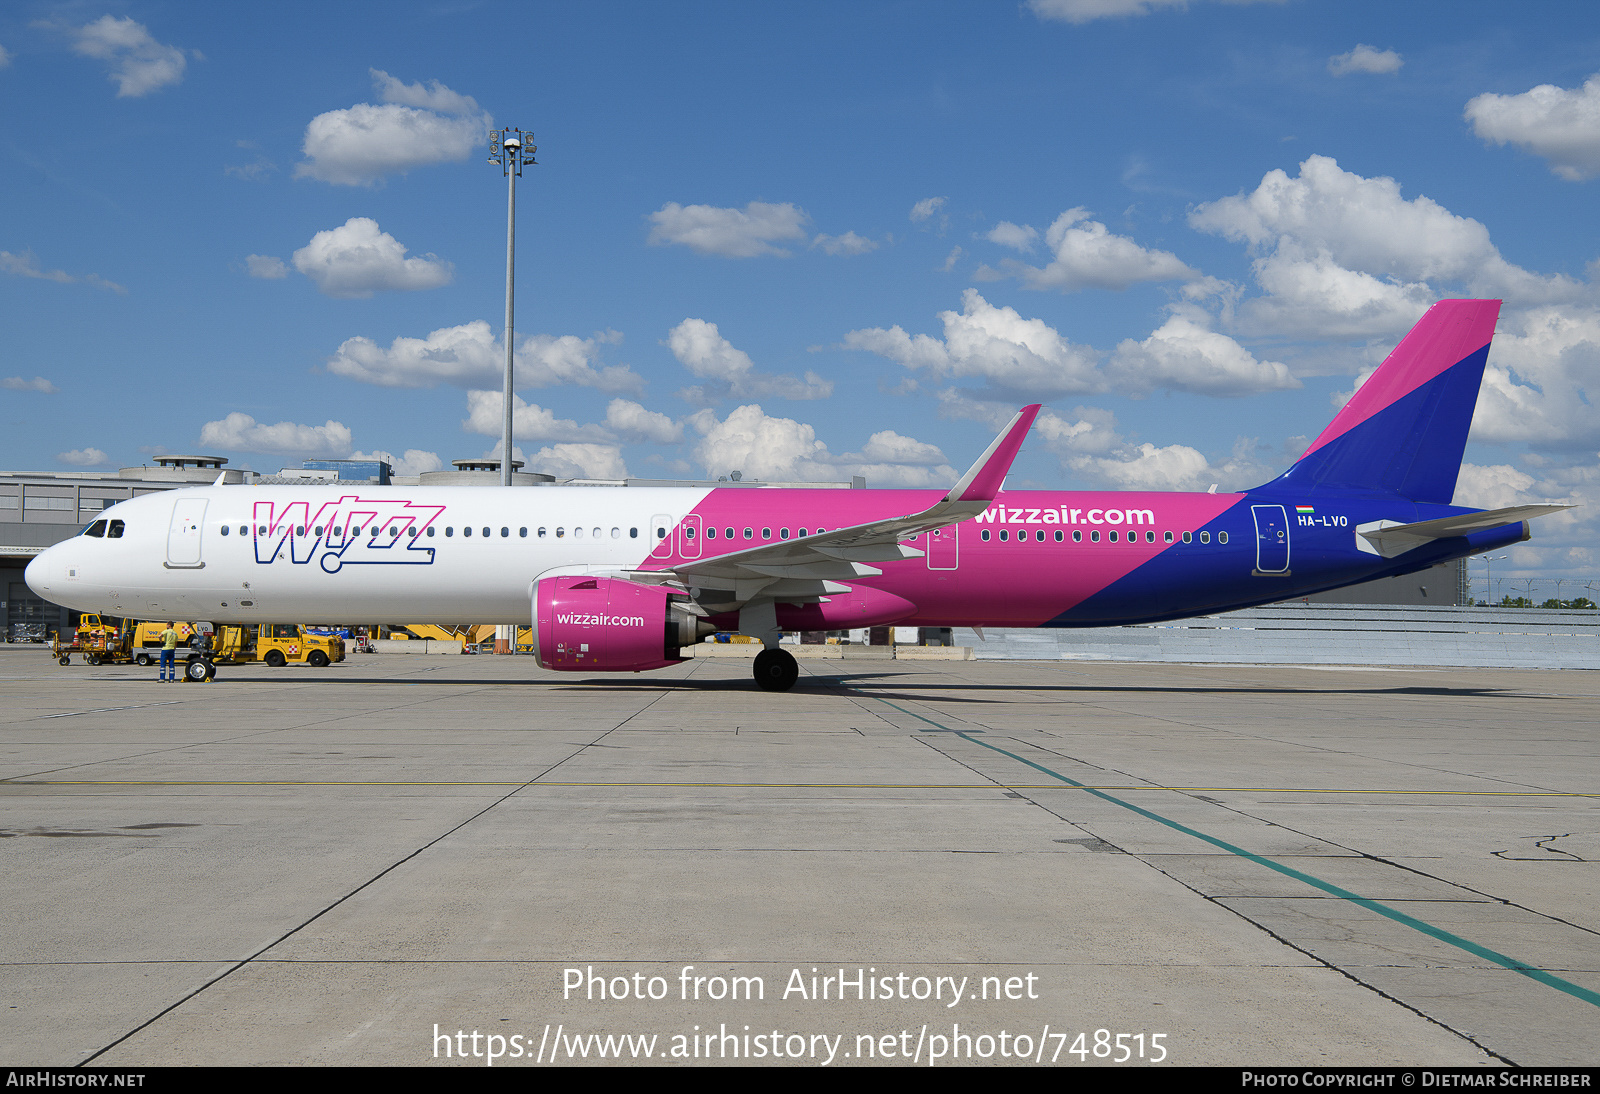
602 624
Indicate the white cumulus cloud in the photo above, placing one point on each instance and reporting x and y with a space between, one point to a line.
529 421
26 264
847 244
1086 11
700 347
414 462
241 433
1343 256
773 449
413 127
139 64
1365 58
994 344
84 457
358 259
1088 256
1561 125
38 383
1185 354
1019 237
268 267
470 354
730 233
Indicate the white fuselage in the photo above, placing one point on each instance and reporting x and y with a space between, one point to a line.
351 553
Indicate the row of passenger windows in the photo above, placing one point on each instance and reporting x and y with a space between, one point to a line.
1094 536
394 531
732 533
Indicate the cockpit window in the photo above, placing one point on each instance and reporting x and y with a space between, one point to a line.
97 529
114 530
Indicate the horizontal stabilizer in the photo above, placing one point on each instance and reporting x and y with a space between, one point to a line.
1387 538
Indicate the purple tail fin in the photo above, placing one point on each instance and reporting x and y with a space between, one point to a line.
1404 431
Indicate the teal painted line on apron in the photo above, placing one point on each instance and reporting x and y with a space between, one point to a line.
1530 971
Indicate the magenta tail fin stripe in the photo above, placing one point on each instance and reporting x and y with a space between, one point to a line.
1449 332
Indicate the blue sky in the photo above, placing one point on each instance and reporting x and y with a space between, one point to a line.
806 241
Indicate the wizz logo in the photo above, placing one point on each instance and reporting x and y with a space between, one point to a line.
351 531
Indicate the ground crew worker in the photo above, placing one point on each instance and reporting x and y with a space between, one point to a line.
169 652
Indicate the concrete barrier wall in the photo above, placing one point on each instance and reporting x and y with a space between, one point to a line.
414 646
1323 634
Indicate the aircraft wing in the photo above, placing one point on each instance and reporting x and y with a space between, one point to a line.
1389 539
803 569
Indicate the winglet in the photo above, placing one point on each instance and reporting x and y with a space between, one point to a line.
984 479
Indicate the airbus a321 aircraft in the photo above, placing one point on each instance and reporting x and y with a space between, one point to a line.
620 580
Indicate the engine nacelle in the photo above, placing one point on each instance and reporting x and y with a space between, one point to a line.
605 624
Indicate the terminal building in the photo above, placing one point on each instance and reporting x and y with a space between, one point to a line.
39 509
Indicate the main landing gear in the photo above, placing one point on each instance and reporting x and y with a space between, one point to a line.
776 669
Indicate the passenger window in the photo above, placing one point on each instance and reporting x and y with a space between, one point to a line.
688 532
633 533
523 532
412 532
466 531
802 533
300 531
1205 537
661 533
986 535
1166 537
1112 536
783 533
616 533
766 533
595 533
711 533
98 529
394 530
430 531
1039 535
1094 537
1188 537
114 530
1004 535
505 533
486 533
560 532
1222 537
319 529
1077 536
224 529
541 533
243 530
449 531
749 533
1059 536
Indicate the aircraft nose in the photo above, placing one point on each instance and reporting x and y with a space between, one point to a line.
38 571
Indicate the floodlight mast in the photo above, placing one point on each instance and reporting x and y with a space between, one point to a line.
511 149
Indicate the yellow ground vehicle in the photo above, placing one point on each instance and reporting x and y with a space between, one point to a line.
275 644
100 640
147 639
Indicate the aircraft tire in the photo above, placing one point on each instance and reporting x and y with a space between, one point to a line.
195 670
276 659
776 670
